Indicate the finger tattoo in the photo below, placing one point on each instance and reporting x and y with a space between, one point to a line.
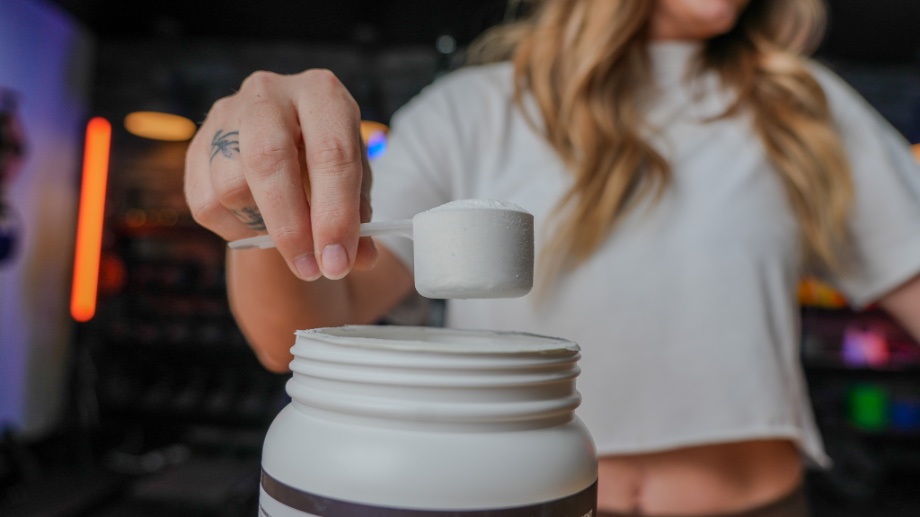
225 143
251 217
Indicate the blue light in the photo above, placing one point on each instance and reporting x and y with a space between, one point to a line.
376 145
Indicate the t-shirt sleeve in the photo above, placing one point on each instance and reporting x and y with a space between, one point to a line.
416 171
885 219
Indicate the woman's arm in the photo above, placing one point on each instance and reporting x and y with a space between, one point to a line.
283 155
904 304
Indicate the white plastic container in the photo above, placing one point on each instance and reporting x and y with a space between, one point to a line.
414 421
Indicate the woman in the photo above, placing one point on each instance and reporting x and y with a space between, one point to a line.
684 165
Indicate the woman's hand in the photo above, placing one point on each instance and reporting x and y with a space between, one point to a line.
284 155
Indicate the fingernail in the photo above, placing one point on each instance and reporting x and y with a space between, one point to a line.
335 261
306 266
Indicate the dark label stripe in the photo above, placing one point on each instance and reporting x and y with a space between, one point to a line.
582 504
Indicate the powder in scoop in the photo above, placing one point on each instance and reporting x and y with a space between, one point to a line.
474 248
479 204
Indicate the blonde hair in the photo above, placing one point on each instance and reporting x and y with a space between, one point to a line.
585 64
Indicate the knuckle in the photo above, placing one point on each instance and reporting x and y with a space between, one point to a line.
331 212
325 83
221 104
205 211
333 218
197 142
353 107
288 237
233 190
259 81
333 154
323 78
265 156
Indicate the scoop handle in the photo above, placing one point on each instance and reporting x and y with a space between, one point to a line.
402 227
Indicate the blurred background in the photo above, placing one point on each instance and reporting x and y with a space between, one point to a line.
125 387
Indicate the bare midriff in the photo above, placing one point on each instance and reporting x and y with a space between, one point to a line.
701 480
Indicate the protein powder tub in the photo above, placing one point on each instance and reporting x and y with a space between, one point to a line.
413 421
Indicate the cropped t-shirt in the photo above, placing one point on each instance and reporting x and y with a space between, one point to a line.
687 315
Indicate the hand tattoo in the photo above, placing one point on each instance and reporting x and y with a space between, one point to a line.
225 144
251 217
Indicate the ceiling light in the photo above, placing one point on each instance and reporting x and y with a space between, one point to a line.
160 126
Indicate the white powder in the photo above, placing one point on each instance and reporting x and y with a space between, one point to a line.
474 248
480 204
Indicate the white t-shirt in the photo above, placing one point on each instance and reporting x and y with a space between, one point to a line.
687 316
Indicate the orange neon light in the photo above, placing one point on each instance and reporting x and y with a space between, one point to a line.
89 221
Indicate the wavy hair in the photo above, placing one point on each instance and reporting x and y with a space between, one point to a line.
585 64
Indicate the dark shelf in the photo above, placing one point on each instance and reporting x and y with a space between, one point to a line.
836 366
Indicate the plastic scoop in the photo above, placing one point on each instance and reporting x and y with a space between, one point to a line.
402 227
473 248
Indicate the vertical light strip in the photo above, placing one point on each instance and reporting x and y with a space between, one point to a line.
89 221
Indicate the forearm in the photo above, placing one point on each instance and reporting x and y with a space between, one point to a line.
269 303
